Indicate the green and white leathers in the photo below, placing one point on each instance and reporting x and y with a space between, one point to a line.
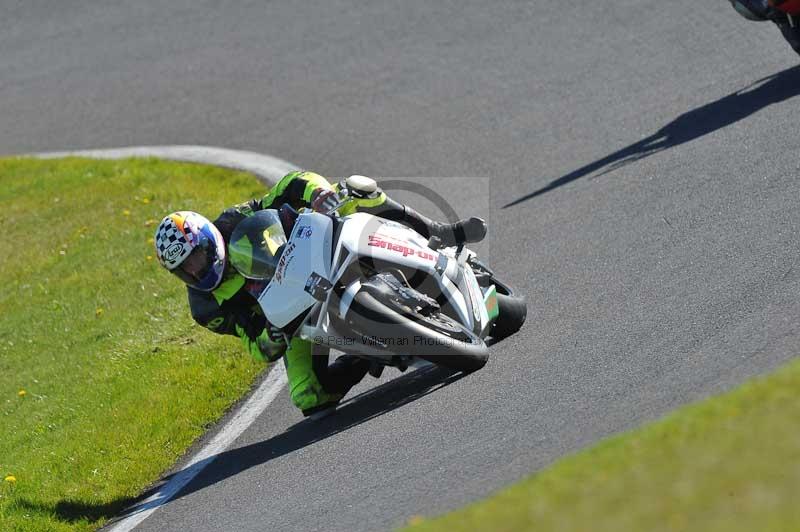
230 309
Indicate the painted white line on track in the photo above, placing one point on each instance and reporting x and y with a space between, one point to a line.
248 413
268 170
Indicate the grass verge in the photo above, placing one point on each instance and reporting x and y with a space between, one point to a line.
105 380
730 463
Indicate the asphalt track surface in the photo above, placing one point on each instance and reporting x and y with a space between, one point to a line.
639 165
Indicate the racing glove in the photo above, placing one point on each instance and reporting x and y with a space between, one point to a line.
324 200
268 346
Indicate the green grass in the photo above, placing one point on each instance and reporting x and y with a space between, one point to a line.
730 463
118 380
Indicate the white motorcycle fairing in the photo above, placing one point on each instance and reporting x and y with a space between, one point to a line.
311 265
308 251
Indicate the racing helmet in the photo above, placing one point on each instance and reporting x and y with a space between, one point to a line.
192 248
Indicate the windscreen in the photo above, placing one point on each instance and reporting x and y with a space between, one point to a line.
256 245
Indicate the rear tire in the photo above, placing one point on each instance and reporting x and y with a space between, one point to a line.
436 338
512 308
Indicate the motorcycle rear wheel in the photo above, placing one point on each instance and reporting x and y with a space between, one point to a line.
513 311
513 308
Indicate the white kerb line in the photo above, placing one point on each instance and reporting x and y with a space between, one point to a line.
254 406
268 170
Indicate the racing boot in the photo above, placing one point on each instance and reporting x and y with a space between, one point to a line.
472 229
336 380
461 232
321 411
464 231
345 372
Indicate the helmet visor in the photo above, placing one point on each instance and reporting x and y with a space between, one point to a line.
197 265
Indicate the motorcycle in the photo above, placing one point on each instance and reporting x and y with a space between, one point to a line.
789 7
760 11
373 287
784 13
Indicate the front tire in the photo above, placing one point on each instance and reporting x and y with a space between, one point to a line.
436 338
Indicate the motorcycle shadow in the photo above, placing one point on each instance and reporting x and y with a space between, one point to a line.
390 395
352 412
359 409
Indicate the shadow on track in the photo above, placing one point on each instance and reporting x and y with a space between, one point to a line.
353 412
690 125
359 409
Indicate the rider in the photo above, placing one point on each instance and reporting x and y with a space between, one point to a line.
195 250
784 13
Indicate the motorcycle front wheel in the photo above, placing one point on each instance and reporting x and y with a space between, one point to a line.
434 337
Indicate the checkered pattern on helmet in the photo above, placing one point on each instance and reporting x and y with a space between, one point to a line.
166 235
